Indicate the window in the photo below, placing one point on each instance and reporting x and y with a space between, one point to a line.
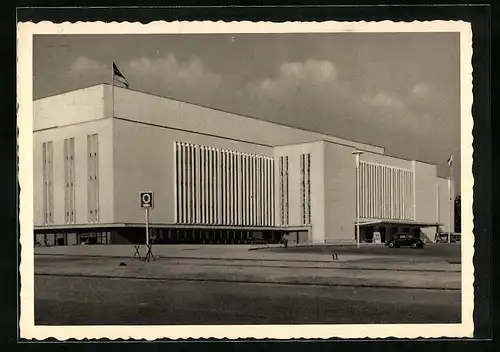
308 184
93 177
69 181
305 188
48 189
283 165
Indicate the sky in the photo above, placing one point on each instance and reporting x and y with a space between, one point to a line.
397 90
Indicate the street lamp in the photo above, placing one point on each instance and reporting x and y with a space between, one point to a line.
357 154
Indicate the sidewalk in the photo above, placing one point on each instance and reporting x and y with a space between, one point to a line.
230 264
162 269
242 255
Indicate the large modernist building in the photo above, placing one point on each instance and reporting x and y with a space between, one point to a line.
217 177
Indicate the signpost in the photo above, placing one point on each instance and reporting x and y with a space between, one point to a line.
147 203
357 154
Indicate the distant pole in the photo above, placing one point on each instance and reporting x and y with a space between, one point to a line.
450 180
449 213
147 227
357 154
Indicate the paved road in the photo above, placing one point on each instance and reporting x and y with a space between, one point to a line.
102 301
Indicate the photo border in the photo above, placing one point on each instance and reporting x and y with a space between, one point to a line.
24 157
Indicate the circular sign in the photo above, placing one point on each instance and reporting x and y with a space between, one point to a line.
146 198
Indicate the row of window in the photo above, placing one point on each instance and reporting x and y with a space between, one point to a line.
385 192
216 186
70 180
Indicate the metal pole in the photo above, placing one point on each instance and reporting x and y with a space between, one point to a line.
449 213
147 226
357 200
357 154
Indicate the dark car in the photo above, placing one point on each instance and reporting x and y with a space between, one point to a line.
405 240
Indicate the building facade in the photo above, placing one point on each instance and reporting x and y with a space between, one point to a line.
217 177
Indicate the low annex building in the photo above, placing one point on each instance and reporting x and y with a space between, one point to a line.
217 177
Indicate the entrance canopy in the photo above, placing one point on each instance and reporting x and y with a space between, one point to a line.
409 223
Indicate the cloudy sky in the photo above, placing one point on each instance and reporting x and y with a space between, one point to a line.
398 90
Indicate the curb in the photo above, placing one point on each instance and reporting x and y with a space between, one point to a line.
262 282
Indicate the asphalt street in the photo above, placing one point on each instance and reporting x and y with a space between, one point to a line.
103 301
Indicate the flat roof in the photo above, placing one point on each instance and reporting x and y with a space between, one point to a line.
399 222
219 110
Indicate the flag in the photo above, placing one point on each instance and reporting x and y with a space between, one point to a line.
450 160
118 76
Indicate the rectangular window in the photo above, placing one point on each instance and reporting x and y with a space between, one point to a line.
281 189
244 189
177 182
302 189
266 192
196 184
308 188
93 177
48 188
305 188
223 187
182 184
273 193
284 190
213 188
239 188
259 191
219 187
69 181
189 179
203 185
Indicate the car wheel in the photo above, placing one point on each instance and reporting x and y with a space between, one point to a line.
413 245
391 245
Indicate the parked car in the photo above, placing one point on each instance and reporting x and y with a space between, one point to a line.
405 240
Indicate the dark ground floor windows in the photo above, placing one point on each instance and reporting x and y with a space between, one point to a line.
168 236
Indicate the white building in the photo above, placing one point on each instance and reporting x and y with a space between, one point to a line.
217 177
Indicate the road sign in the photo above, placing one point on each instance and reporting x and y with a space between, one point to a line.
147 200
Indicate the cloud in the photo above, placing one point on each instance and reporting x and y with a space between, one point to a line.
314 95
169 76
189 80
311 94
294 75
313 89
384 99
84 64
421 90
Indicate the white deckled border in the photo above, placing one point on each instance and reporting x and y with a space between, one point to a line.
25 123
